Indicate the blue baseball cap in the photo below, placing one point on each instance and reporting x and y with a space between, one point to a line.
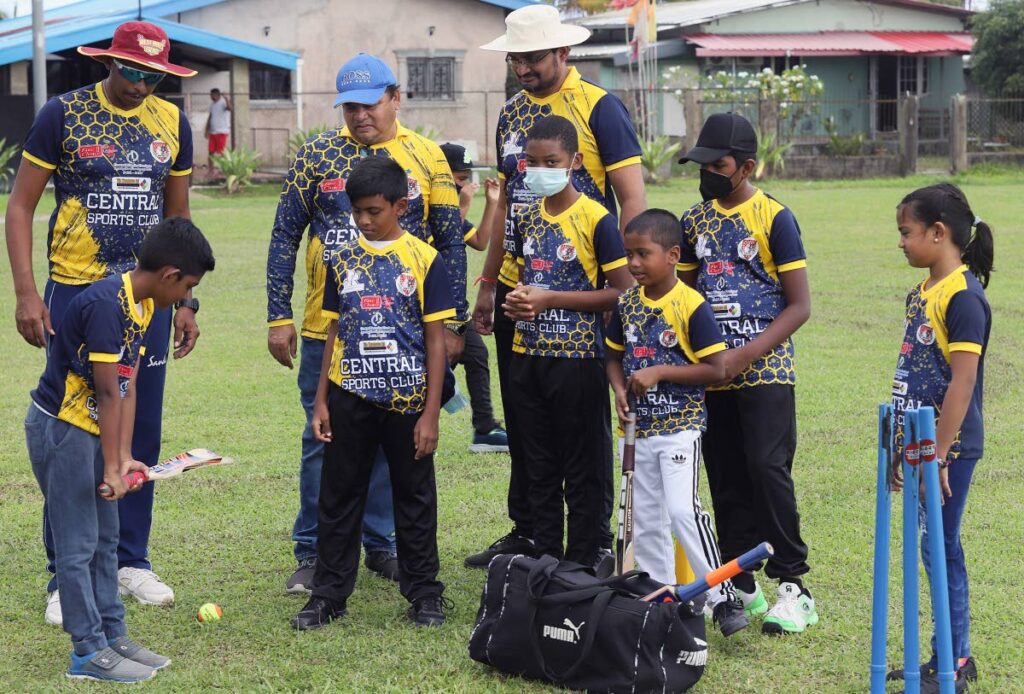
363 80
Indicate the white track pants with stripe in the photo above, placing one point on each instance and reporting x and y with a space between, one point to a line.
666 502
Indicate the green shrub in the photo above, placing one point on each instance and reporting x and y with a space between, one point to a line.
238 165
770 154
655 153
842 145
8 156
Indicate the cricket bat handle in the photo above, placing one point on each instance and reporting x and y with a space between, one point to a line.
744 562
131 479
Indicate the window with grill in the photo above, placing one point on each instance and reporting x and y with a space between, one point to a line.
267 82
431 79
912 73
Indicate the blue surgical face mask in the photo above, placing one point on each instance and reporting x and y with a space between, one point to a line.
546 182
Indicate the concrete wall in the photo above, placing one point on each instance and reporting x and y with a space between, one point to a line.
326 33
834 15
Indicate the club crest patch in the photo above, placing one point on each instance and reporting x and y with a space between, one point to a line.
566 252
160 150
668 338
925 334
747 249
406 284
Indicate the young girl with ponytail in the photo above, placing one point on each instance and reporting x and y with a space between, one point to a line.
941 365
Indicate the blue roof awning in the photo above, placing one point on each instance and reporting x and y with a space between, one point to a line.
93 21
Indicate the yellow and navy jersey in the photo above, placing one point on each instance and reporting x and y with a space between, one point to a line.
103 324
675 330
109 170
314 196
381 298
607 139
739 254
468 230
569 252
952 315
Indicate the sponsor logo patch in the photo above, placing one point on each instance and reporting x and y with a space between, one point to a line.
717 267
96 151
899 387
521 166
352 282
125 371
730 310
644 352
538 264
332 185
374 302
131 184
151 46
375 348
567 633
160 151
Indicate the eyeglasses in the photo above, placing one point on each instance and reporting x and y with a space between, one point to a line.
133 75
528 60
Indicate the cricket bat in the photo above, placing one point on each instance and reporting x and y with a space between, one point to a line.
624 551
688 592
172 467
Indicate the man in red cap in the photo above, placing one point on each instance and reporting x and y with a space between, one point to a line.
120 159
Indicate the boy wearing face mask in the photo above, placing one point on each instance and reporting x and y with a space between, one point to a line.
567 246
742 250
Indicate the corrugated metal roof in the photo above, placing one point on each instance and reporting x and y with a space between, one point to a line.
835 43
679 15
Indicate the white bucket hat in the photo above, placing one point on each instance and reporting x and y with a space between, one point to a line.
536 28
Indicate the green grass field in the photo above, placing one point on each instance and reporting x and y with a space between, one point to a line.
224 535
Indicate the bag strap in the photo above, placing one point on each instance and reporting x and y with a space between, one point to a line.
597 610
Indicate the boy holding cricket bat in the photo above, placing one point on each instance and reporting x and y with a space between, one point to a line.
665 346
79 435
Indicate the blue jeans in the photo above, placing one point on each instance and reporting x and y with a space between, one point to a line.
68 466
379 519
136 509
960 473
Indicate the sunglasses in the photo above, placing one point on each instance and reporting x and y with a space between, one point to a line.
528 60
133 75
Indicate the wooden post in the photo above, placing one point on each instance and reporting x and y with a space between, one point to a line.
908 134
693 117
958 160
240 116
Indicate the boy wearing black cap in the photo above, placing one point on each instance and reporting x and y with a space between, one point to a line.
488 436
742 250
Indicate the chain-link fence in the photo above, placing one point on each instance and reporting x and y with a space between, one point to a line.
995 124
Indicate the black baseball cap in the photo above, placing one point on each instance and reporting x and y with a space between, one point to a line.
722 134
457 156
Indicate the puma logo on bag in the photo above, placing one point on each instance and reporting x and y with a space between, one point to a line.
570 635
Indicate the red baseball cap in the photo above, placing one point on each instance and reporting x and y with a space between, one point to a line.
142 43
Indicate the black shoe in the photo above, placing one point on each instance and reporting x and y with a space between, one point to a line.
429 611
383 563
318 612
968 671
730 617
302 580
930 683
605 564
513 543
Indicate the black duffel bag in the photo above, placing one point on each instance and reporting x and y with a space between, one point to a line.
555 621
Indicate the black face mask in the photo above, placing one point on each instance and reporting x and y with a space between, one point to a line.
715 186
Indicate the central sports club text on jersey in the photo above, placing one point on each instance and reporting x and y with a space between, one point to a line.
381 297
739 254
607 142
109 169
102 324
675 330
314 196
569 252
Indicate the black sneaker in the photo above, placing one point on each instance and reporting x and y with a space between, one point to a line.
316 613
383 563
429 610
730 617
513 543
968 671
605 564
302 580
930 683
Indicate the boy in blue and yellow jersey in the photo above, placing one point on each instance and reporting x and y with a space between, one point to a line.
79 434
742 250
537 46
567 245
665 347
385 299
119 158
315 197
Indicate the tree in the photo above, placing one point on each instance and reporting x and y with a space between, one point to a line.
998 60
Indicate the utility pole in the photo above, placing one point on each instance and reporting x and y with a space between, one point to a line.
38 56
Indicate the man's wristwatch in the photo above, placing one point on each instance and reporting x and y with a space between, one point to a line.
188 303
458 328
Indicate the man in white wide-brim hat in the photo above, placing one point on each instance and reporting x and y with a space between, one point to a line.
537 46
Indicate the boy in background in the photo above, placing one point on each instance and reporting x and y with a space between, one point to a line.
665 348
488 435
79 434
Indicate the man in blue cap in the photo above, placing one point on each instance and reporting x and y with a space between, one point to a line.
314 197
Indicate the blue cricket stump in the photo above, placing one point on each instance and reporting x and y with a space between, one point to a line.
919 459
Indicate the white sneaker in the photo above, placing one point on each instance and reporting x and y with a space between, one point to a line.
145 585
754 604
793 612
53 614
